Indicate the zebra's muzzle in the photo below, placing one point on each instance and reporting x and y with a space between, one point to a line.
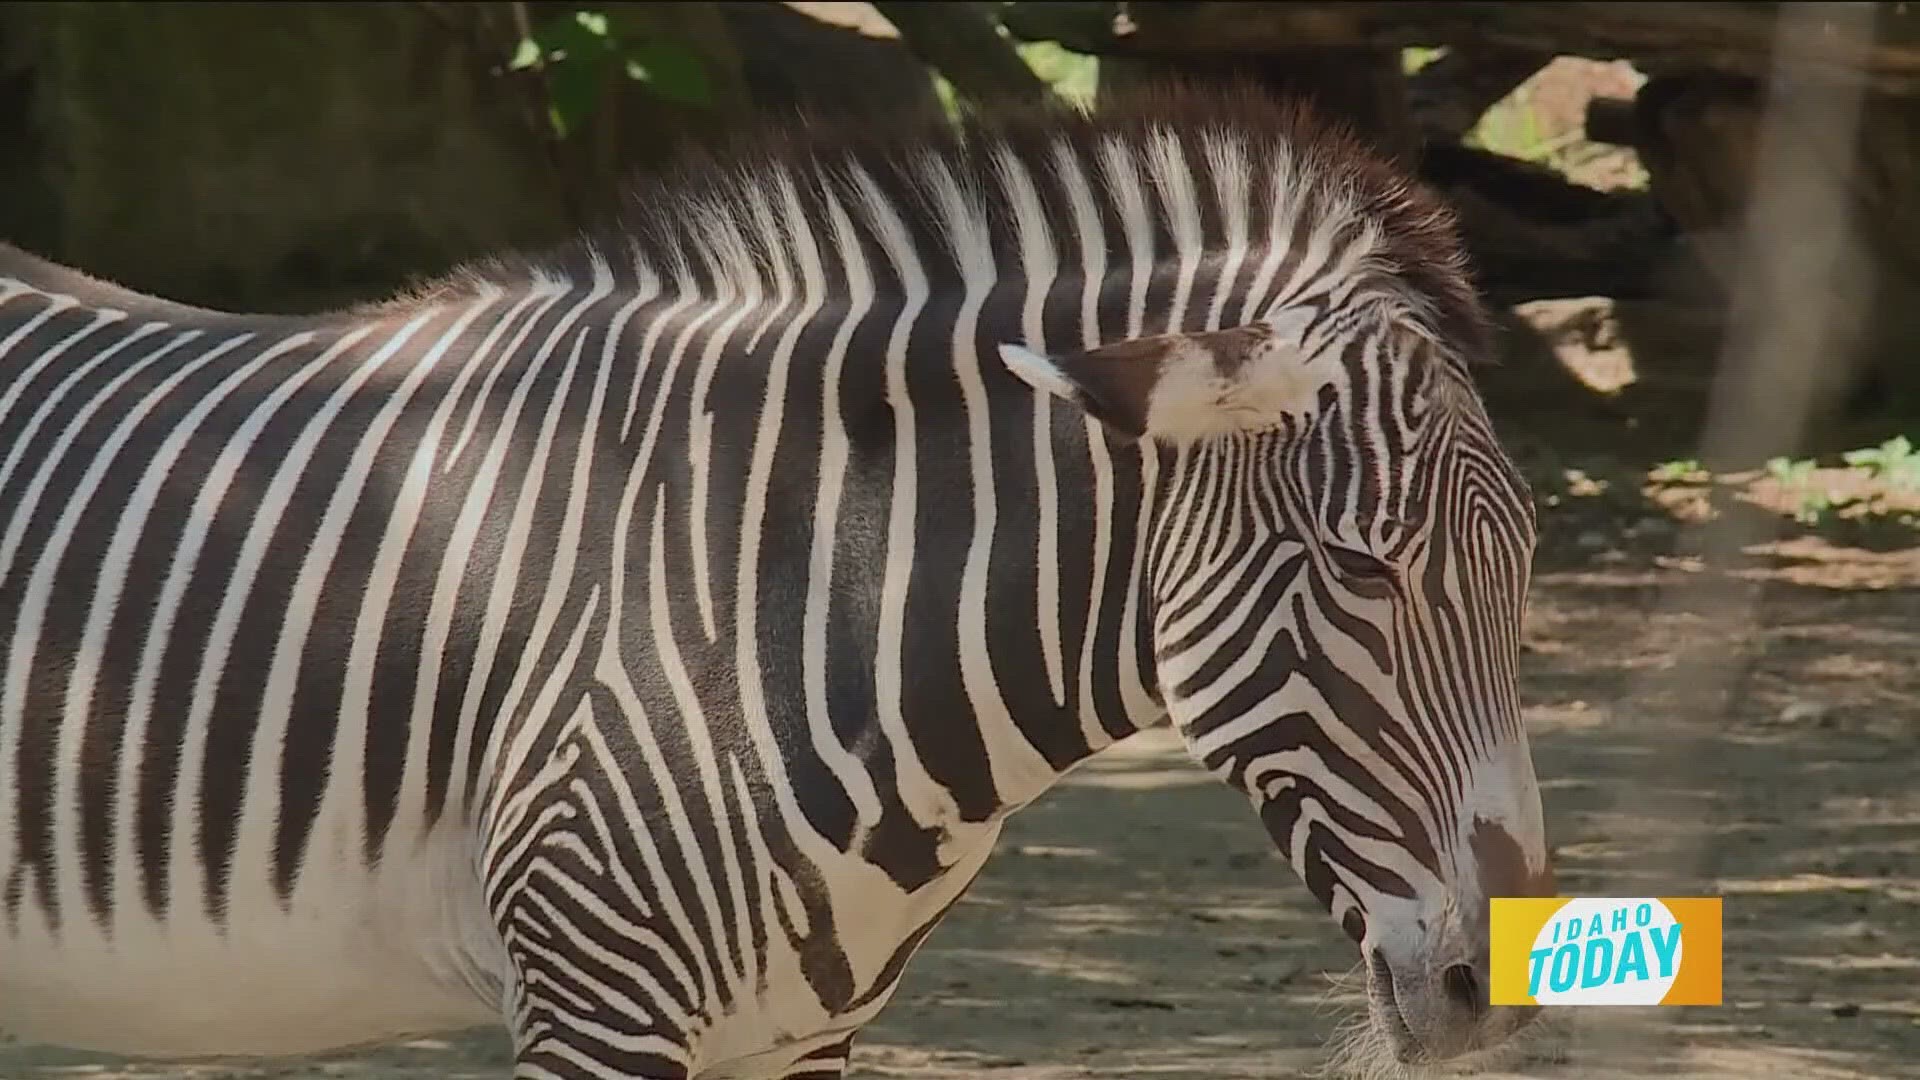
1385 1004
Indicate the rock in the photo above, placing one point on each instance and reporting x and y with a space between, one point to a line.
1801 712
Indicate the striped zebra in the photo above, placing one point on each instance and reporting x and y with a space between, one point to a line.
644 644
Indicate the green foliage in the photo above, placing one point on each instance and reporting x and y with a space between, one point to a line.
1679 471
1893 462
1415 57
1074 76
1789 471
949 97
1814 502
579 51
1514 127
1894 465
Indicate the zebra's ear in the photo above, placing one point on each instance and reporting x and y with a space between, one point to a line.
1180 386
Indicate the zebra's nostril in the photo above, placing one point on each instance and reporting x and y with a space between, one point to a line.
1464 986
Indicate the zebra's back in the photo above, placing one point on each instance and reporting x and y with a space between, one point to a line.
185 502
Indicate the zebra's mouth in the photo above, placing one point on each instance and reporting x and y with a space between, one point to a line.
1386 1010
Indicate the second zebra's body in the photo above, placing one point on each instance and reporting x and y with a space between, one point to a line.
643 646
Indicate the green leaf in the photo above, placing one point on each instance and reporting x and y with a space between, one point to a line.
583 35
573 92
524 56
593 22
669 70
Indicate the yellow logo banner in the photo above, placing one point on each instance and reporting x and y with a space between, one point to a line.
1603 950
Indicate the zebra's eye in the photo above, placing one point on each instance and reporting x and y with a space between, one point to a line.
1366 574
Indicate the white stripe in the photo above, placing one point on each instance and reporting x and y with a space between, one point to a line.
850 772
1093 272
485 640
55 306
29 502
580 491
289 468
1167 163
928 802
626 811
662 779
685 293
1283 212
1136 223
1136 696
547 287
36 594
731 264
23 379
849 769
213 488
687 705
1040 267
1020 771
116 565
1227 164
774 241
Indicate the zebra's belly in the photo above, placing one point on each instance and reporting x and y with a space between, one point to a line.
362 957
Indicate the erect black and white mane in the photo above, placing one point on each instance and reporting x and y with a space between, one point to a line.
1219 172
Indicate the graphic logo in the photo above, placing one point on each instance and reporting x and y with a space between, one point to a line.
1605 950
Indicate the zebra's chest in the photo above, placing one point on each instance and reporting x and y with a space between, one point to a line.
362 956
877 932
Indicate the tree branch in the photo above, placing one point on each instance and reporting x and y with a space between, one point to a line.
1732 38
1448 96
962 42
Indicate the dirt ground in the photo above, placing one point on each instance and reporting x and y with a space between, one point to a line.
1743 729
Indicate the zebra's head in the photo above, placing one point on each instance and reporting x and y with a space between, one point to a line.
1337 572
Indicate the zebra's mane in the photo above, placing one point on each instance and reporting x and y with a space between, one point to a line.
1212 167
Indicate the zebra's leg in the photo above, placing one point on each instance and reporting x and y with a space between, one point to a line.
827 1063
571 1022
601 986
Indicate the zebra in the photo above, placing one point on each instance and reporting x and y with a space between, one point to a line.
641 644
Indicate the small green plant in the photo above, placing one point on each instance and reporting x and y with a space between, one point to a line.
1789 471
1679 471
1815 503
1894 462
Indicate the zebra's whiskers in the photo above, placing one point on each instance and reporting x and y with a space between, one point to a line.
1358 1050
1355 1049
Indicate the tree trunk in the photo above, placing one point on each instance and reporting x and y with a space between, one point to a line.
1712 35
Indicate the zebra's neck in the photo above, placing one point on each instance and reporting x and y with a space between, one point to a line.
975 549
